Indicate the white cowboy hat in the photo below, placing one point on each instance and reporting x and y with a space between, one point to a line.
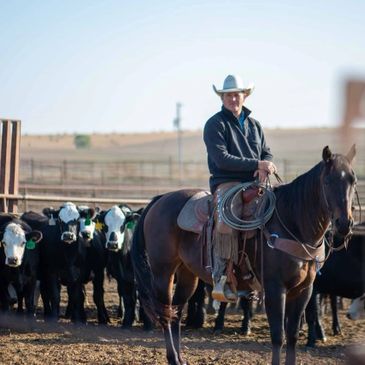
233 83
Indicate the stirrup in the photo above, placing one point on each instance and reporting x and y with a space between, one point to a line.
222 292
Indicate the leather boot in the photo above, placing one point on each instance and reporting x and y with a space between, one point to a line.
222 292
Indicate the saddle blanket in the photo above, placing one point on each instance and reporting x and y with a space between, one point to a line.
195 212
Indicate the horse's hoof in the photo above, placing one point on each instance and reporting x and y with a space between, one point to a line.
147 328
246 332
211 310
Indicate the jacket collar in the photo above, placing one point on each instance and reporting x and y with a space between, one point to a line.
230 115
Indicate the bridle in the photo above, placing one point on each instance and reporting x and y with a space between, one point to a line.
328 241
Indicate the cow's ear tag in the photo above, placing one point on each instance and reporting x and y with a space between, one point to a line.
87 222
51 221
30 245
130 225
99 226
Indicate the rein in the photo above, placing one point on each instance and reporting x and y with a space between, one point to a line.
303 245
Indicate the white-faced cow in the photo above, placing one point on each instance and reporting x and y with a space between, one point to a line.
59 256
118 224
357 309
19 262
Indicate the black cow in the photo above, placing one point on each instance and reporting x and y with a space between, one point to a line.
59 255
93 260
343 274
118 224
19 262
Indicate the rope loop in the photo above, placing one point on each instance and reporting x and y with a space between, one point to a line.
225 208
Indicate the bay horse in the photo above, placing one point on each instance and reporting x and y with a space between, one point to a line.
304 209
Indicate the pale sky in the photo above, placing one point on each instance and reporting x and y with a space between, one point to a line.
84 66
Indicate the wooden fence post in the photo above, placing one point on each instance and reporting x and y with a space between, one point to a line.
9 177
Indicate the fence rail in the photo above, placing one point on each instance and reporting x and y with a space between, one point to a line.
24 200
103 182
143 173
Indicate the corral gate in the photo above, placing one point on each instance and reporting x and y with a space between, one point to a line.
9 177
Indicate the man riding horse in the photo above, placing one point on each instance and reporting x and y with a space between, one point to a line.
237 153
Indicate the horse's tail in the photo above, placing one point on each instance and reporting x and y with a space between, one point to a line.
142 268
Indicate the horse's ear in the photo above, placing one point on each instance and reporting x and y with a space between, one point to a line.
351 154
327 154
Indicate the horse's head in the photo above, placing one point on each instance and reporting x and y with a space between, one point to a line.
339 181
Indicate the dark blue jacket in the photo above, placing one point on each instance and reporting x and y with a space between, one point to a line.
233 152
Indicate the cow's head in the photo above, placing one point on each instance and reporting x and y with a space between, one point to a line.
16 236
116 229
357 309
86 224
67 217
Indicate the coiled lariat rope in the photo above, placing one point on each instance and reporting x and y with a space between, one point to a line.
225 208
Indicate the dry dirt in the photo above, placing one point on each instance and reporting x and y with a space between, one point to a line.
40 343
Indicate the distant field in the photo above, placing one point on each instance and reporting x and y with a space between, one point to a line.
282 142
303 146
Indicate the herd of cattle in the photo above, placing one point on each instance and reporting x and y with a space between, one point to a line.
74 245
68 246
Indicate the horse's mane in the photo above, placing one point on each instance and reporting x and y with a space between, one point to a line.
300 200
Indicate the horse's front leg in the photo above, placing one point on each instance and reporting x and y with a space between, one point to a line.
275 296
294 311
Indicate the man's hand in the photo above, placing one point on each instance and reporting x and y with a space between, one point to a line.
267 166
261 174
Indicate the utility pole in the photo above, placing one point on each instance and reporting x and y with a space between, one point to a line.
177 125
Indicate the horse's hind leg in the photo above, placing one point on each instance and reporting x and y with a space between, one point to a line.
163 284
186 283
294 311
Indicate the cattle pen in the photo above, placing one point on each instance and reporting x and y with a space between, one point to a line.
52 171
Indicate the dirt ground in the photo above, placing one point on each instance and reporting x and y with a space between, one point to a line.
40 343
